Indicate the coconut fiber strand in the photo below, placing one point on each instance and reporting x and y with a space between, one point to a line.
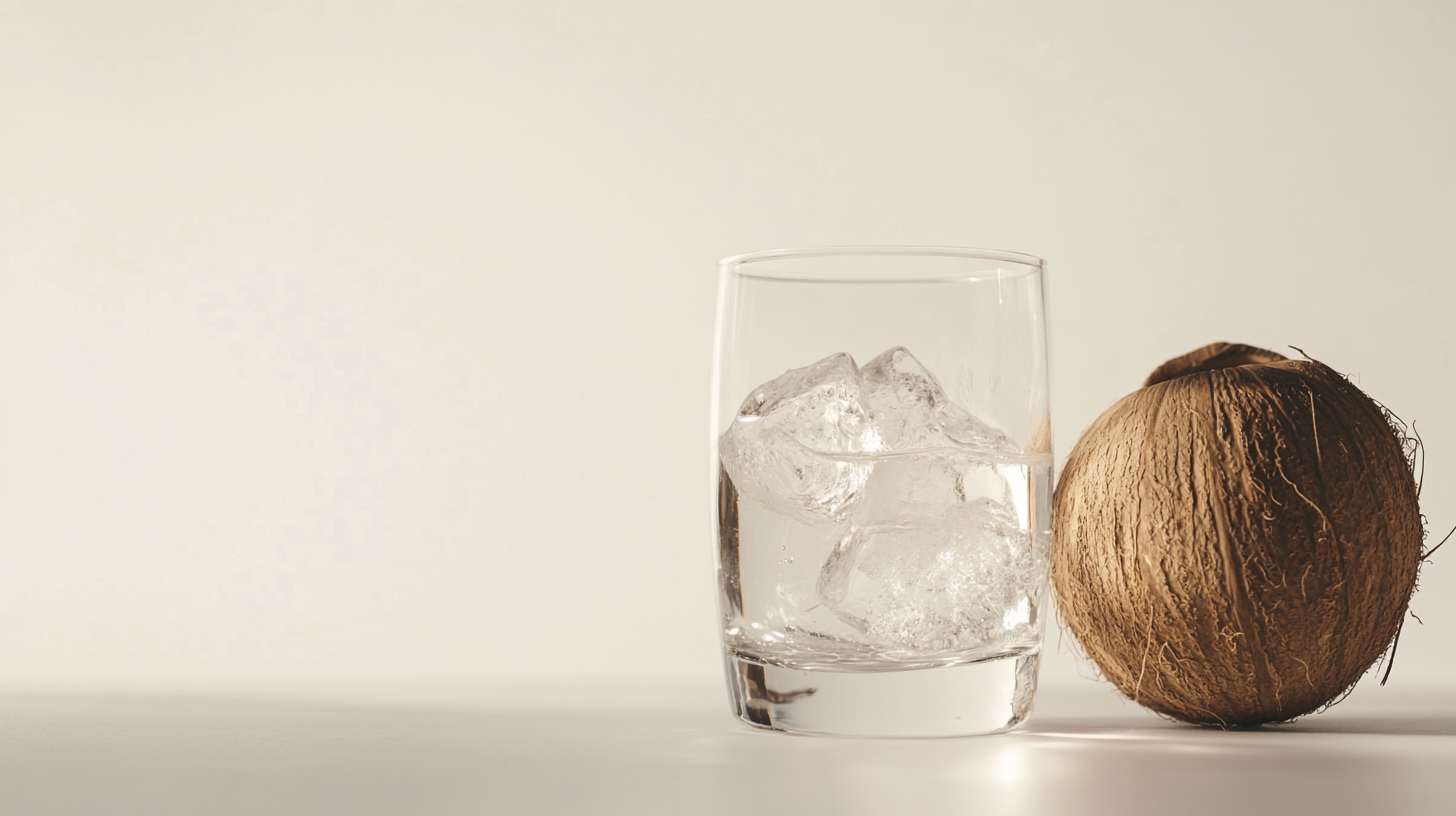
1236 542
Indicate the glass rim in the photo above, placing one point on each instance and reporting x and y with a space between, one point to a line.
731 264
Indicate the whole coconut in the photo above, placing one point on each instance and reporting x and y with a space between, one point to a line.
1236 542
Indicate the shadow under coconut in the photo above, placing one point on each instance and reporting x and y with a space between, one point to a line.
1109 728
1401 725
1420 713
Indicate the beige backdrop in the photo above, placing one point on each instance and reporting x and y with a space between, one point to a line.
370 342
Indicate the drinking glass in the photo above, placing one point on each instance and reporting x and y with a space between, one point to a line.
881 485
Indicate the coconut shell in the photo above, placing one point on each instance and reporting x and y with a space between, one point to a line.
1236 543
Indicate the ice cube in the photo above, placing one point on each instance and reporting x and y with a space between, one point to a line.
910 409
926 484
781 448
958 581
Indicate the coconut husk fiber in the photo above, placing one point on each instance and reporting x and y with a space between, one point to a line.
1236 542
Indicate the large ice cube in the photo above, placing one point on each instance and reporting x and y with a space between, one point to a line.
960 580
910 409
780 449
927 484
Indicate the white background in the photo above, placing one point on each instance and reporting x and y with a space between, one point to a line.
370 342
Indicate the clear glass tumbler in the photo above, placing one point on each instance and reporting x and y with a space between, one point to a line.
881 460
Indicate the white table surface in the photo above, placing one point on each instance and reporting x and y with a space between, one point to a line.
605 750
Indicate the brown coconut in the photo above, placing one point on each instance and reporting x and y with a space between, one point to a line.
1236 542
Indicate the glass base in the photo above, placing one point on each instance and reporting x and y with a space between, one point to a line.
953 701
